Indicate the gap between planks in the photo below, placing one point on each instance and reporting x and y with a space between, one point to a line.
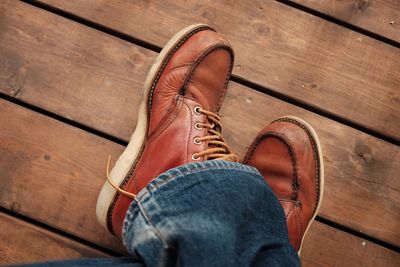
45 157
241 80
44 244
338 21
237 96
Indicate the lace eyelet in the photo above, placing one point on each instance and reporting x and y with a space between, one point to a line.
197 141
197 126
197 110
194 157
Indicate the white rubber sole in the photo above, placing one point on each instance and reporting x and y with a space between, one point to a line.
321 167
125 162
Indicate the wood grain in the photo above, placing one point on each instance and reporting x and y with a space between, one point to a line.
362 191
22 242
56 64
53 172
289 51
321 249
381 17
65 177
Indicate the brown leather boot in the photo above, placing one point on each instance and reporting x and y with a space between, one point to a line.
177 122
288 154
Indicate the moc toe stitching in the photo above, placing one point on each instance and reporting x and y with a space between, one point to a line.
315 154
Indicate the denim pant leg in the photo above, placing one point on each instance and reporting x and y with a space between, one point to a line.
90 262
212 213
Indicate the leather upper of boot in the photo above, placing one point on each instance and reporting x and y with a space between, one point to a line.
286 157
192 83
199 70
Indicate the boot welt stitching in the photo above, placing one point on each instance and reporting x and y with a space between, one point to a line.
150 100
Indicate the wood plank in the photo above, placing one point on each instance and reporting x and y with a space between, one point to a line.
361 191
381 17
22 242
289 51
34 162
45 245
67 66
61 166
342 249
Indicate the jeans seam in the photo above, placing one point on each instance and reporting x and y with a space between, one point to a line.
152 226
128 223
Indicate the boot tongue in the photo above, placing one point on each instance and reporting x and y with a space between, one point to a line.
207 83
204 96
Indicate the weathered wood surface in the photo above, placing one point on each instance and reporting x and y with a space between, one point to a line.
101 88
22 242
65 177
341 249
381 17
289 51
54 63
53 172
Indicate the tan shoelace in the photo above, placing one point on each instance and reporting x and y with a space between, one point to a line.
218 149
122 192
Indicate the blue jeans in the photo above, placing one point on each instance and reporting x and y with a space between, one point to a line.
212 213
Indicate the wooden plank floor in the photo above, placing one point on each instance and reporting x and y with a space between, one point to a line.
71 75
310 60
22 242
380 17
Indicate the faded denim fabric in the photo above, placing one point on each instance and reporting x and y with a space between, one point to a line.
211 213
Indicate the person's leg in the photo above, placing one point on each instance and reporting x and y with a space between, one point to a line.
114 262
213 213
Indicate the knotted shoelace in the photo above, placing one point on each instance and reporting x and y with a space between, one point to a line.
217 147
